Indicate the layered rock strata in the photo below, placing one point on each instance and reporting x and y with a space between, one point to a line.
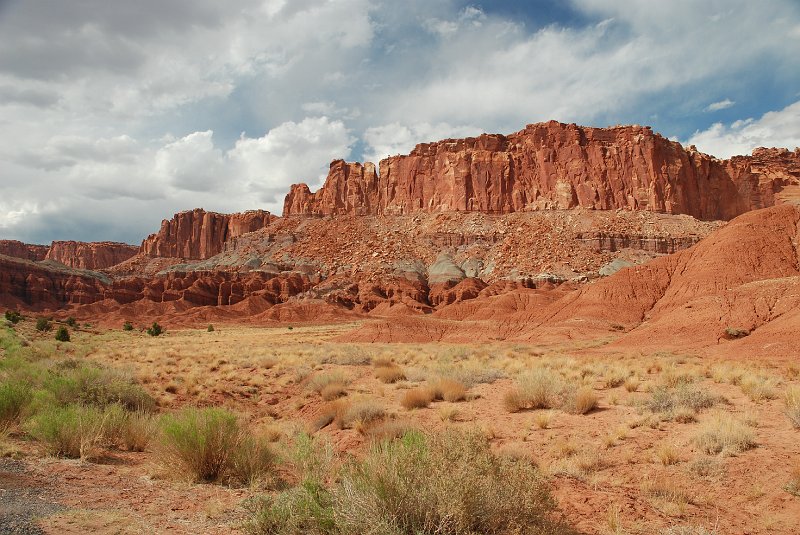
92 255
554 166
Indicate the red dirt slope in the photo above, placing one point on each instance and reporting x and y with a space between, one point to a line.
744 276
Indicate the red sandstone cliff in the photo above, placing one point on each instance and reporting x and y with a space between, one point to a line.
197 234
554 165
94 255
26 251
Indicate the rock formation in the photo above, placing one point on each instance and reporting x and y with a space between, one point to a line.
26 251
554 166
197 234
93 255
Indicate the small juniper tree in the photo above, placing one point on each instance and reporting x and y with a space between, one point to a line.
62 334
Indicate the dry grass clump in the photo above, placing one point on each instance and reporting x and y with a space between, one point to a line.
448 390
389 374
632 384
538 389
667 453
580 401
321 381
417 398
615 376
707 467
390 430
333 391
668 489
357 414
759 388
792 401
684 396
724 434
361 415
793 485
687 530
543 419
543 388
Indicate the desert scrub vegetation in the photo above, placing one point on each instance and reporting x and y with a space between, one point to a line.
791 399
723 433
211 445
387 371
449 483
543 388
155 329
680 398
74 409
417 398
62 334
448 390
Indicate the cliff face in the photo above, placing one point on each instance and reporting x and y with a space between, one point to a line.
554 166
26 251
94 255
197 234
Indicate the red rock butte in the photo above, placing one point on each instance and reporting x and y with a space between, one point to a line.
554 166
197 234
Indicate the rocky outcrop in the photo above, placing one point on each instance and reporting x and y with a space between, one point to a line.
40 286
90 255
554 166
197 234
26 251
352 188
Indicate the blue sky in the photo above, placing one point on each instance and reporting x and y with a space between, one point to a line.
114 115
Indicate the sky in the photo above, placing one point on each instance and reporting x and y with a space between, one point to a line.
116 114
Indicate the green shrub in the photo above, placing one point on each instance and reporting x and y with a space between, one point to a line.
155 329
210 329
127 326
13 316
450 483
43 324
71 322
15 395
209 445
73 431
92 385
62 334
445 484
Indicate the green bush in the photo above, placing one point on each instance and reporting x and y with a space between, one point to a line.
210 329
43 324
62 334
71 322
209 445
445 484
155 329
13 316
15 395
96 386
73 431
127 326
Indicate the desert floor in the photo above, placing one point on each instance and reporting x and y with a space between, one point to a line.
677 443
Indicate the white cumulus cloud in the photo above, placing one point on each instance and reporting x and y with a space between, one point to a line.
773 129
